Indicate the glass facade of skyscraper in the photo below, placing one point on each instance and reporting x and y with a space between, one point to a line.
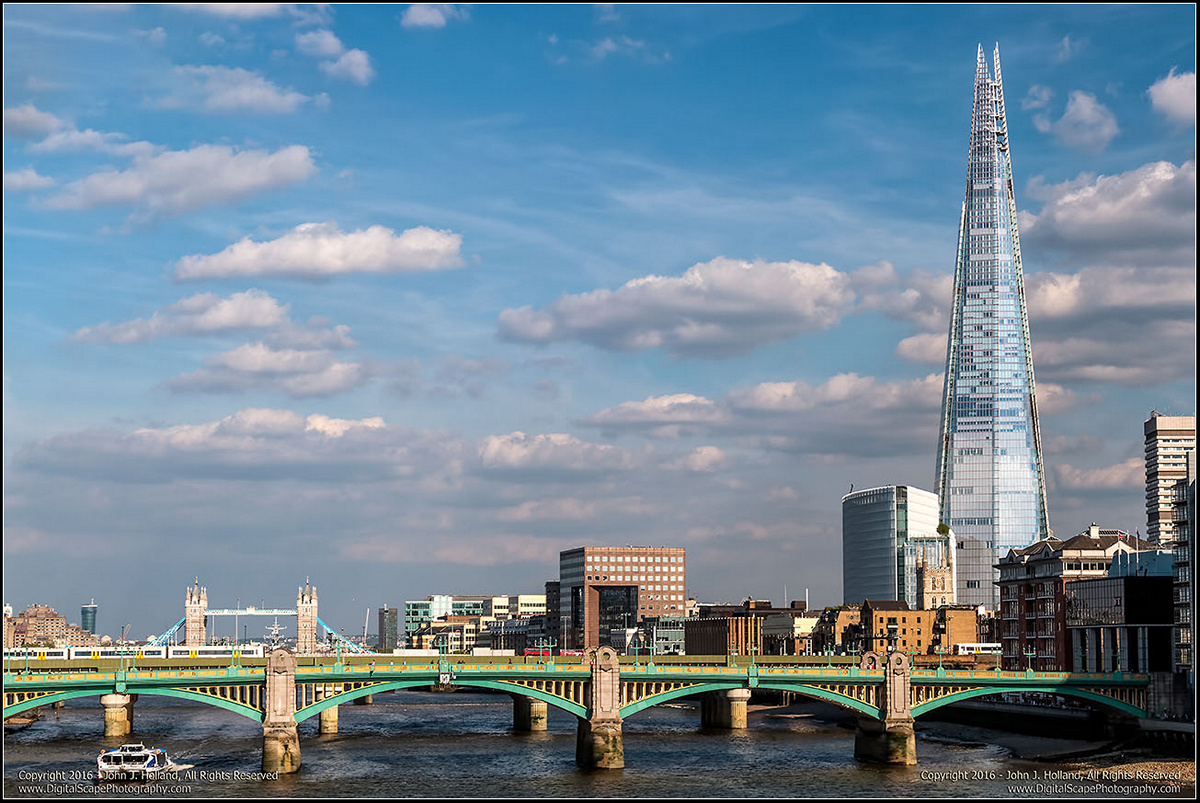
884 533
990 480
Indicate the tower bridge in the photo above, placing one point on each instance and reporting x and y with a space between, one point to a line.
883 691
196 614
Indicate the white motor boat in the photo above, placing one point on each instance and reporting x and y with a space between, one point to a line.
134 762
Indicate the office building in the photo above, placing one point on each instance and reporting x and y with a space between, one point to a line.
602 588
1169 438
887 533
87 616
990 479
389 629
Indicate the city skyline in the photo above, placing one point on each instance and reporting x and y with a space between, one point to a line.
411 299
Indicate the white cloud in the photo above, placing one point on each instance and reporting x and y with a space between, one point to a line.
432 15
1067 49
322 250
700 459
337 427
1053 399
353 65
254 444
178 181
662 416
868 392
258 366
557 452
319 44
1136 353
566 509
845 414
928 348
26 180
716 309
1145 216
157 36
1038 97
226 89
1175 96
27 121
1127 475
237 11
102 141
1092 292
1087 124
349 65
201 314
627 46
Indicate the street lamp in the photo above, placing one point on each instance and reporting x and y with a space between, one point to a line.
1029 654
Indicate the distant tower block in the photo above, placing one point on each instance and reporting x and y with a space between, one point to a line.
87 616
194 606
306 619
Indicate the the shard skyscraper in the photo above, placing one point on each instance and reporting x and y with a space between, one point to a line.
990 481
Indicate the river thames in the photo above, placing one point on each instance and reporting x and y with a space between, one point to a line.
420 745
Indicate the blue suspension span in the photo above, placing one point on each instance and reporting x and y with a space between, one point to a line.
165 638
346 643
162 641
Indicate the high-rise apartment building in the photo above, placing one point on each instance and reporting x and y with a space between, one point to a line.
886 533
1169 438
1184 563
603 588
990 480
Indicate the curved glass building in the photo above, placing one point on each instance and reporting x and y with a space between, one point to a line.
990 481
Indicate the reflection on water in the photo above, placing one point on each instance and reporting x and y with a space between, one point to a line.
413 744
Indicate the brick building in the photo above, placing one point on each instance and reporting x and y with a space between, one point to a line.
1033 628
604 588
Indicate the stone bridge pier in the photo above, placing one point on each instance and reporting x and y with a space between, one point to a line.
724 709
529 715
118 713
281 737
599 742
328 722
889 739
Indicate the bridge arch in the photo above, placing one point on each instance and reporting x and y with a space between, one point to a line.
183 694
1084 694
808 691
397 685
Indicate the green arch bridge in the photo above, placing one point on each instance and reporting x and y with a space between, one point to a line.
883 691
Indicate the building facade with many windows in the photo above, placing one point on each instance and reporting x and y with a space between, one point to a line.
1033 581
887 533
603 588
1169 438
990 478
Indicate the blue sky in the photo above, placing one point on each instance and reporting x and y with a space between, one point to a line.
410 298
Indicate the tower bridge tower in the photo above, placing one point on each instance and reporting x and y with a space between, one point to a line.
306 619
195 603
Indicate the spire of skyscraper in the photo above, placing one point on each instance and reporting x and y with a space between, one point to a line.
990 479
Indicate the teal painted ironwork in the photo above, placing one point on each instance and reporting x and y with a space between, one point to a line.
564 686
